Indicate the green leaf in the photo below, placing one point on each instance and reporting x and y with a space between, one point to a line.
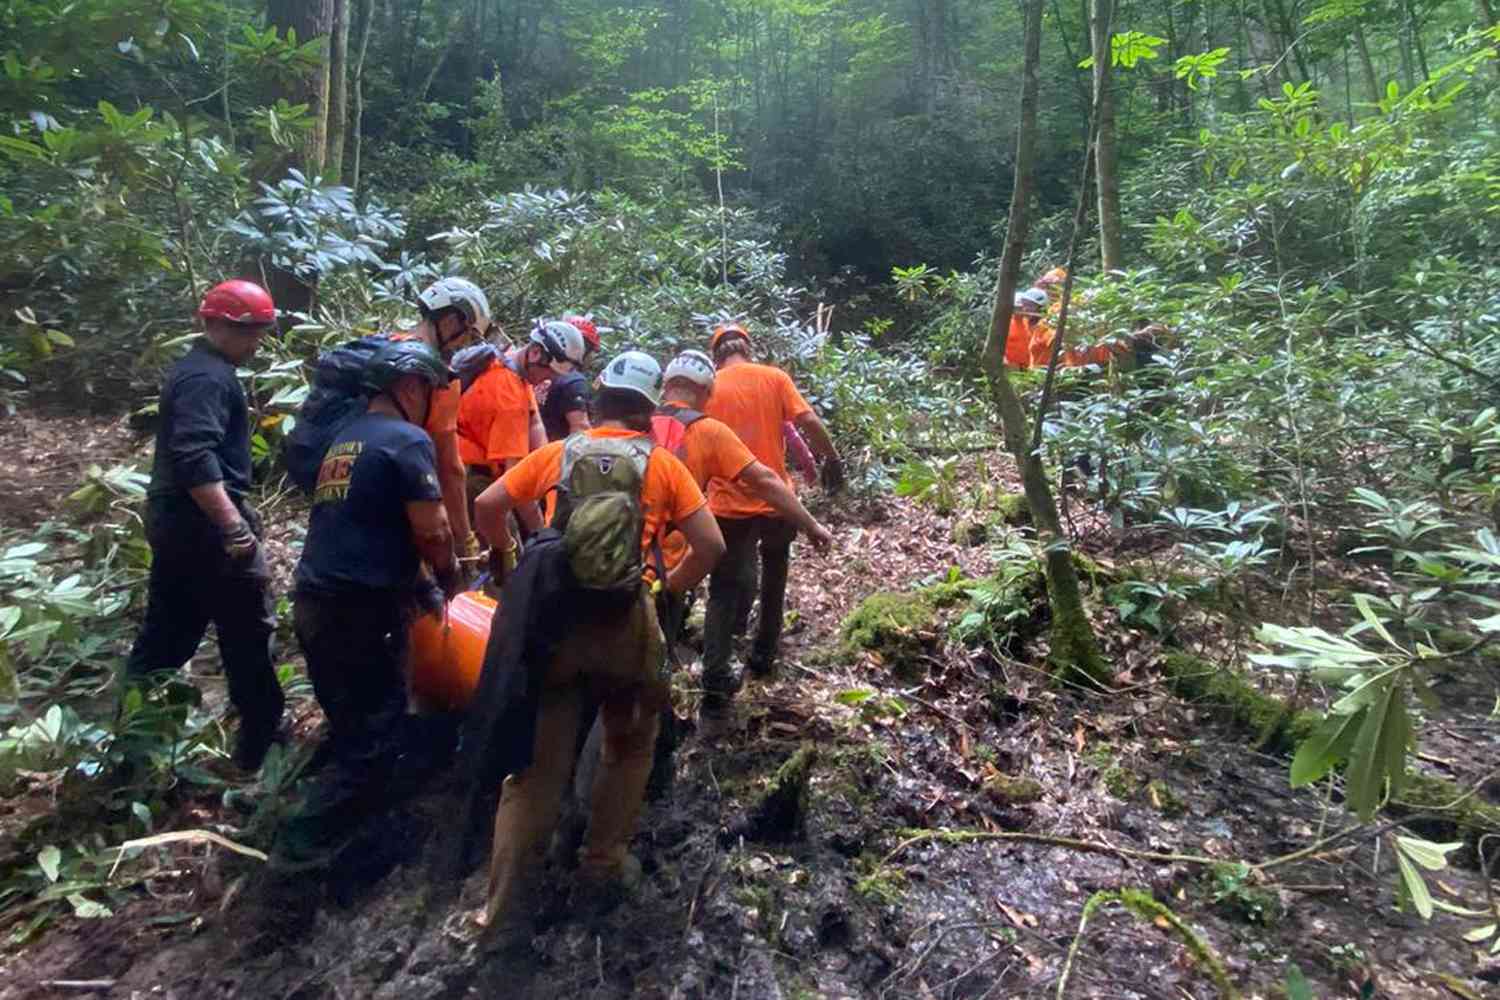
1362 602
1395 738
1296 985
1481 933
10 617
1362 779
1319 752
87 908
49 860
20 148
854 696
1430 855
1416 888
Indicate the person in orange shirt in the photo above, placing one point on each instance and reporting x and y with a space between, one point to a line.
754 400
455 313
710 450
1025 318
599 649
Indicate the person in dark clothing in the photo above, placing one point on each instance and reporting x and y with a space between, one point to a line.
566 410
207 565
377 514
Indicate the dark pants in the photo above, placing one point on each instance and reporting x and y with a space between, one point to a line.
356 649
193 583
731 591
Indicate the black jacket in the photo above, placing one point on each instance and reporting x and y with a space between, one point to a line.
204 434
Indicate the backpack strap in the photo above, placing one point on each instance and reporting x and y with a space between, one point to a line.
684 415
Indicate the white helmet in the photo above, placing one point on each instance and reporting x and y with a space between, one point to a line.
460 294
563 343
1034 297
695 366
636 371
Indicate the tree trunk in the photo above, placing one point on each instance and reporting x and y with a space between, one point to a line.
1075 651
338 92
1106 155
366 22
310 19
1366 65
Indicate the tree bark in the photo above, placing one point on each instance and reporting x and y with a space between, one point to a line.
366 22
1366 64
338 92
1075 651
1106 153
310 19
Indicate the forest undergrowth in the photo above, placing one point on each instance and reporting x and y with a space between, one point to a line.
1278 778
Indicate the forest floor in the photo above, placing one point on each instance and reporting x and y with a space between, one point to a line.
1133 789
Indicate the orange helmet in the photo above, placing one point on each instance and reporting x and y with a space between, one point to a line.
1056 276
725 332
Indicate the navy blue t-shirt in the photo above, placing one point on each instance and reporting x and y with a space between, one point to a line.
567 393
358 537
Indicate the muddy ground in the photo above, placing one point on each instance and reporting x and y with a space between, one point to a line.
858 904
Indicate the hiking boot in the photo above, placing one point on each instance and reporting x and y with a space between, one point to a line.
253 743
599 891
762 668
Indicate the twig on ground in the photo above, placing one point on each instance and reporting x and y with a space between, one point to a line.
1092 846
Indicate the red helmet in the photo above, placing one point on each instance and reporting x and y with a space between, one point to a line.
586 327
241 302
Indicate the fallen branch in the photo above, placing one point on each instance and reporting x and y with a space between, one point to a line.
1091 846
184 836
1146 907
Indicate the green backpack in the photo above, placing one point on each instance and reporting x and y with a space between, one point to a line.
599 509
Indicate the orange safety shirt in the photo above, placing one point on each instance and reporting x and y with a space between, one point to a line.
754 401
710 450
494 419
668 496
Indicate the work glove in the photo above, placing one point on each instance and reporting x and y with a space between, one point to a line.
239 542
503 562
833 476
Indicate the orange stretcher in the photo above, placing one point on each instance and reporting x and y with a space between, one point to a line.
446 656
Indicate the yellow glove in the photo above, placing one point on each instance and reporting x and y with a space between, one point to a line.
469 551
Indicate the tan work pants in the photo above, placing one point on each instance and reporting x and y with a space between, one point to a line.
619 662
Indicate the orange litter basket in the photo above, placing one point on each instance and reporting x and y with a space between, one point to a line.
446 655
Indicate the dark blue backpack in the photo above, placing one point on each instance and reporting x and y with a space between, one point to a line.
338 397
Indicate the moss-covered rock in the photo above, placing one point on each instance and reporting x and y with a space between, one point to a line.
1009 509
968 532
1163 799
1008 790
900 628
1235 700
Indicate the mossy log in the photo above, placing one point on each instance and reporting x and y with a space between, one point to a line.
1278 728
781 812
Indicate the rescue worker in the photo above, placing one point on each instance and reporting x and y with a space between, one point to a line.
206 559
566 410
1025 320
754 400
377 514
499 424
710 450
455 313
610 651
590 331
